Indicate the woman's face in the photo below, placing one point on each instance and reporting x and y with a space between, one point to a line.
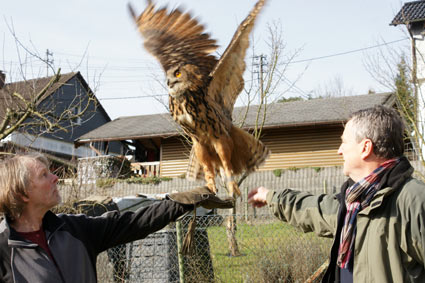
43 193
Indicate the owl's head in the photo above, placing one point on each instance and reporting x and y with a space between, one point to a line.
183 78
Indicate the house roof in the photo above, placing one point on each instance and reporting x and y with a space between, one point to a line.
410 12
331 110
289 114
29 88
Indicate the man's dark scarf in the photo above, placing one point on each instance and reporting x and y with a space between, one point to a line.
357 197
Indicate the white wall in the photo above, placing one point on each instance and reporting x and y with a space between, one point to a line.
51 145
420 57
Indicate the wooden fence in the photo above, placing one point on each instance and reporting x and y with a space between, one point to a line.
307 179
314 180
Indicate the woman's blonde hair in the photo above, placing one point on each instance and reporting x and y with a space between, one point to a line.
15 179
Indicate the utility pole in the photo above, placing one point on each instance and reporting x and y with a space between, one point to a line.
48 61
260 62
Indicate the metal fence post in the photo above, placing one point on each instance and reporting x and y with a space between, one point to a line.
246 203
179 232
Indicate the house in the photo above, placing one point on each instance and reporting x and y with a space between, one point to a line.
412 14
62 101
299 134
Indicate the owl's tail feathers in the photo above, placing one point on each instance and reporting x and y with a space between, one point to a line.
248 153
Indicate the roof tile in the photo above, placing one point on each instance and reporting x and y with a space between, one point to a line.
410 12
297 113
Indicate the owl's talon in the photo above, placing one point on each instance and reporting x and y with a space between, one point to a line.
212 188
233 188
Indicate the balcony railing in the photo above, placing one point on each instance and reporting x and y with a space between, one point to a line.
146 169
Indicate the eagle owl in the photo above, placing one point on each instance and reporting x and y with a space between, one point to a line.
203 89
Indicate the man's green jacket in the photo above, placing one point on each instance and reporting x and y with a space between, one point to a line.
390 238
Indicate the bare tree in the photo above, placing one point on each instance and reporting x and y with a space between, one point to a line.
335 87
393 69
37 106
267 81
30 109
271 75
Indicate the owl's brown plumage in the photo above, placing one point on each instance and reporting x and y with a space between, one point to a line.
203 90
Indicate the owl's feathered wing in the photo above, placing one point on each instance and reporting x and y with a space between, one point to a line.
227 76
175 38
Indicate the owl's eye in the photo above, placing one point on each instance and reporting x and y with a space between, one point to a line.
177 74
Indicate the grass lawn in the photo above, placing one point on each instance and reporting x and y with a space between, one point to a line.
269 252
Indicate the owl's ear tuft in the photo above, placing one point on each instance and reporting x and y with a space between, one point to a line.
131 11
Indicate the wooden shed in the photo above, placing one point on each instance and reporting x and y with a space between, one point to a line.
299 134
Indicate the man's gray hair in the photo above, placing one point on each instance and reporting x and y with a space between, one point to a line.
383 126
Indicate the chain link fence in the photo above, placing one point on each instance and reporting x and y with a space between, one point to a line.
250 246
263 249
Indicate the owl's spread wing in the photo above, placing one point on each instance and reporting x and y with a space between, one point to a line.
227 81
175 38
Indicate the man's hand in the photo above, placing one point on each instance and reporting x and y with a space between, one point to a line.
257 197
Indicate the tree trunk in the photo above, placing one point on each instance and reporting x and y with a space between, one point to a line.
231 234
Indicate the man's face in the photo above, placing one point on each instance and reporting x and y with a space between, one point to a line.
42 193
351 152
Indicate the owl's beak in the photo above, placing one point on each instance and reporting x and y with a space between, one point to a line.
170 84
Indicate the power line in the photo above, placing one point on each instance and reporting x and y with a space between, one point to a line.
105 58
124 68
293 86
132 97
140 68
346 52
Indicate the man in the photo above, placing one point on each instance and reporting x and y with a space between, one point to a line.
38 246
378 219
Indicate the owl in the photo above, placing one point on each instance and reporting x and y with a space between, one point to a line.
203 89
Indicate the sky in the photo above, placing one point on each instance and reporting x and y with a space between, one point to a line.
332 39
